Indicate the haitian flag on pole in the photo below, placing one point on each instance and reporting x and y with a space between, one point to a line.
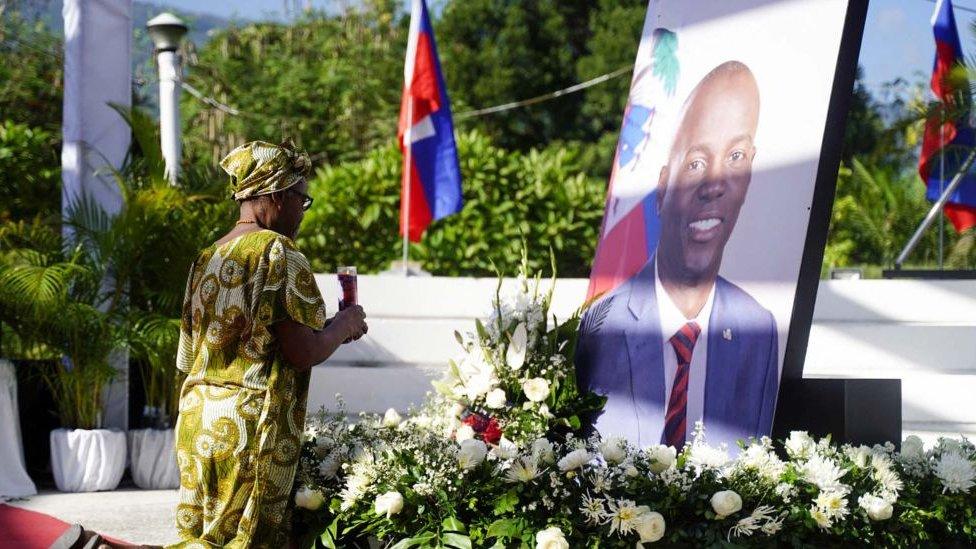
945 141
431 175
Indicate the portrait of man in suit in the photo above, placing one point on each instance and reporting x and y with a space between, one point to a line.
677 343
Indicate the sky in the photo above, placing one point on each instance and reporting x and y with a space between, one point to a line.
897 41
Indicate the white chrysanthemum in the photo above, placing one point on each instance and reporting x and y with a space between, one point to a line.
832 503
613 450
623 516
763 519
703 456
524 469
391 418
758 458
956 472
593 510
860 455
821 518
824 473
800 445
575 460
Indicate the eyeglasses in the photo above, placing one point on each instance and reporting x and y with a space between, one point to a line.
306 200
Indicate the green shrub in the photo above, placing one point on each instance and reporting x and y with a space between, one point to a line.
541 196
29 172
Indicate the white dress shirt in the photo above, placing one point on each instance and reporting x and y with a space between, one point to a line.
672 320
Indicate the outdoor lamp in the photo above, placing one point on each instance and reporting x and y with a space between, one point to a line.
166 30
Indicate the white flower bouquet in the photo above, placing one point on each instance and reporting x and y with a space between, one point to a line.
496 458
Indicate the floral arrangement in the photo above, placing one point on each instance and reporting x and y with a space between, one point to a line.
496 458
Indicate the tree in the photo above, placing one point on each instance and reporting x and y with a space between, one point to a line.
330 83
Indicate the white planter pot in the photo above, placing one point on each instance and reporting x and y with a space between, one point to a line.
152 459
85 460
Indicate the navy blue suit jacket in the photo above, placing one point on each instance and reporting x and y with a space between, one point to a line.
620 356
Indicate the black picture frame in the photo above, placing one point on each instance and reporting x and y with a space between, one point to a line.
824 188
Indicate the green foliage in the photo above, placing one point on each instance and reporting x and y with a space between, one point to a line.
875 212
538 195
30 173
31 73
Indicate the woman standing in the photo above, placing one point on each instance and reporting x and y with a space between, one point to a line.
253 325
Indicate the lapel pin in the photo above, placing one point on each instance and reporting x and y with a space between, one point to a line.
727 334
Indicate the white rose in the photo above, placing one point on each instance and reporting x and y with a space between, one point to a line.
542 449
799 444
310 499
551 538
913 448
536 389
575 460
515 356
650 526
725 503
876 507
496 398
471 453
662 457
391 418
464 432
388 504
614 450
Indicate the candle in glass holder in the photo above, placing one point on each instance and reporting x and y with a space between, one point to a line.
348 292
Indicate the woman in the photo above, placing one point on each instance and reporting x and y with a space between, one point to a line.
253 325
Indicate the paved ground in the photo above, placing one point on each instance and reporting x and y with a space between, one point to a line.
129 514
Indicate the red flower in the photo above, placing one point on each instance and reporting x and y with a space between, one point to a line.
493 432
487 427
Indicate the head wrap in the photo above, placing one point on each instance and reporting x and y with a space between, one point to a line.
259 168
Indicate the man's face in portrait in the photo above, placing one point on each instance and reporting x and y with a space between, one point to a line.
703 186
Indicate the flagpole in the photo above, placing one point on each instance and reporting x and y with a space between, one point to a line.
936 208
942 186
407 175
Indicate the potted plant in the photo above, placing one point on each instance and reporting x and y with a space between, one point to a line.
152 454
52 299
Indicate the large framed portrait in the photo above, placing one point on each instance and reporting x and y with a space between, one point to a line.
706 271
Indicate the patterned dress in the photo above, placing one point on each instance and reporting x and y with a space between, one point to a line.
242 407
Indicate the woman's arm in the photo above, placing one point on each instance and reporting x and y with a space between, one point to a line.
304 347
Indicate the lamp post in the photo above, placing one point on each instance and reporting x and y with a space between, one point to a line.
166 30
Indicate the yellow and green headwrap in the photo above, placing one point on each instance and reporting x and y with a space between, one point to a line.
258 168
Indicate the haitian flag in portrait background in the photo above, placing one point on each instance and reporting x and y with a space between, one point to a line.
629 238
944 144
431 184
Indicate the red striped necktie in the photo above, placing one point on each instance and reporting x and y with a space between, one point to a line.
676 418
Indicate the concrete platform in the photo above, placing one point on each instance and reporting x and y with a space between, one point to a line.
129 514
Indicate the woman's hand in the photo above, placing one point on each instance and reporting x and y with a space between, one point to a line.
304 347
350 323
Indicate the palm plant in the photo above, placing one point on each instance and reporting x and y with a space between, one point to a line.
117 282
